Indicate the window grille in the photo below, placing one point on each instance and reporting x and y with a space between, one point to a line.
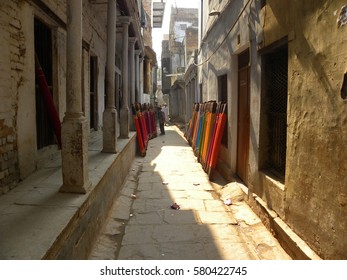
277 89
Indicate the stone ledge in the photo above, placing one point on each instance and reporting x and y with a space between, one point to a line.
292 243
39 222
289 241
76 240
273 192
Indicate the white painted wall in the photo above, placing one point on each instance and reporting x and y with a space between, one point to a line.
221 35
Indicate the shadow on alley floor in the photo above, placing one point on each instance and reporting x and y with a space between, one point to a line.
141 224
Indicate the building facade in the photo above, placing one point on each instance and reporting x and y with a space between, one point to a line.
284 83
109 46
150 57
165 65
182 43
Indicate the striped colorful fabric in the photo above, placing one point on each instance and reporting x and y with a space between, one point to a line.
217 140
205 132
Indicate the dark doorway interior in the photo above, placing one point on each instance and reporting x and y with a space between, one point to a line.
43 50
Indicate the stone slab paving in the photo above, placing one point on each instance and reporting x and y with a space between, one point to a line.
142 226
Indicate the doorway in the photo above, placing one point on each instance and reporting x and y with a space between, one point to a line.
43 50
93 92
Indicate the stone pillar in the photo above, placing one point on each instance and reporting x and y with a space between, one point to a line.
124 111
151 89
137 75
141 79
132 71
75 126
110 113
132 79
147 88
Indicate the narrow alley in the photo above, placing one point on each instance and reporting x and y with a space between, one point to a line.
142 224
254 90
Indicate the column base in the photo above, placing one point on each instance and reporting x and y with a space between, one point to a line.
75 189
110 131
124 122
75 155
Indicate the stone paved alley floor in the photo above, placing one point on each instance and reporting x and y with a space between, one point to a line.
142 225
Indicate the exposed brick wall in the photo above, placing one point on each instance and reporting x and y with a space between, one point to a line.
192 38
191 42
9 174
12 64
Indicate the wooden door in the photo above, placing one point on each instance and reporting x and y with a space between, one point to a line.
243 124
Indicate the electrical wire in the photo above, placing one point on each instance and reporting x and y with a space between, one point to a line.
227 35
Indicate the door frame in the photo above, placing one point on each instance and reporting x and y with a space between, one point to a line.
243 118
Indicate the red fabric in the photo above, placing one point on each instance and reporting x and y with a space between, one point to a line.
216 145
139 136
48 100
143 129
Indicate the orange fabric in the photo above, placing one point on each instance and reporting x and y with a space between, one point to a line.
216 145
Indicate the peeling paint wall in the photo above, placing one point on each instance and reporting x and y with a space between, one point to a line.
313 198
316 177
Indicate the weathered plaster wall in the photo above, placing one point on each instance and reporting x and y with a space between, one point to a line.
26 115
208 21
177 102
13 91
270 26
316 176
94 33
313 198
274 21
315 188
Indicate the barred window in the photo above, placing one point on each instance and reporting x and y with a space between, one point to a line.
276 79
